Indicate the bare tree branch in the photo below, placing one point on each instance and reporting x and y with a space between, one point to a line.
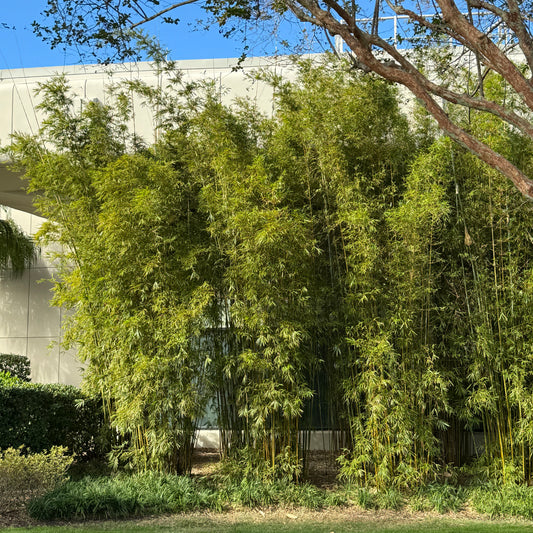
162 12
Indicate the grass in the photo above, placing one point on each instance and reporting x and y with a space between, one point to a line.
210 525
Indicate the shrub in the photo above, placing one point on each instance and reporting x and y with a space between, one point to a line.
40 416
16 365
24 476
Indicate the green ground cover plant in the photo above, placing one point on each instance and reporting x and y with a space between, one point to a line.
120 497
148 494
503 500
440 498
124 496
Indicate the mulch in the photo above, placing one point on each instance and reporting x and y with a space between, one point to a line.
16 518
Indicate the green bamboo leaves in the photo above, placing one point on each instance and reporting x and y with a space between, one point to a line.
317 269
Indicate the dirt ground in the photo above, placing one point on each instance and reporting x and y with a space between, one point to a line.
322 469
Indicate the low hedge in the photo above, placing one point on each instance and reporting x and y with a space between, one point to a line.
40 416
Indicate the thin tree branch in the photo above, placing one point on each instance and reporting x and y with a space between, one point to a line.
423 21
462 99
481 43
162 12
514 20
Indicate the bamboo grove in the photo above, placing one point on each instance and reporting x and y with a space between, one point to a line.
334 266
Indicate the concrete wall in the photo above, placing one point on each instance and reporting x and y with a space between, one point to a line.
28 324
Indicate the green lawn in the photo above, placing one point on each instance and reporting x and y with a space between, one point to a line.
211 526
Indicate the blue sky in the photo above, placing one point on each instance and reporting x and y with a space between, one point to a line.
19 48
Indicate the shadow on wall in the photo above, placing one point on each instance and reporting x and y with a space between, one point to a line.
30 326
